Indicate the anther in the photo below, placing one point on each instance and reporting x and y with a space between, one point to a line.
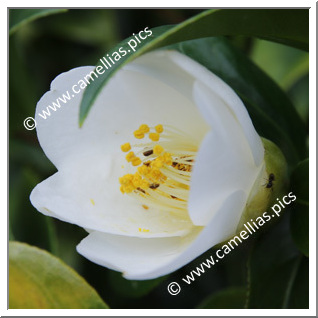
135 161
125 147
154 136
139 134
144 128
130 156
157 149
159 129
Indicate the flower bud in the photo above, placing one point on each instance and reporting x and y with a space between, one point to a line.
271 184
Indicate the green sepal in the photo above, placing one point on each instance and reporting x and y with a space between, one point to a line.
270 185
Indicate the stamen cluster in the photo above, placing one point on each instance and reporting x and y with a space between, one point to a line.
162 176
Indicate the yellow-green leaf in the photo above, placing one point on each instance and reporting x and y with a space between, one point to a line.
40 280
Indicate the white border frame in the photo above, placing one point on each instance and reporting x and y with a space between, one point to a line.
312 142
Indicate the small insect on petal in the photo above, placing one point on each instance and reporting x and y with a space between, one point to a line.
271 178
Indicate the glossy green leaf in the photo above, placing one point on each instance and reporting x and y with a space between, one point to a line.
299 220
39 280
22 91
22 216
20 17
286 65
275 270
272 113
299 94
132 288
299 293
230 298
285 26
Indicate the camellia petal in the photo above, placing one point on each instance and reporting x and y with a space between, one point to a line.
128 96
229 97
150 258
224 146
84 194
58 134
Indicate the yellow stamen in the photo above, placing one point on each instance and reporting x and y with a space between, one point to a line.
92 201
139 134
159 129
135 161
157 149
154 136
144 128
163 170
157 163
143 170
125 147
167 158
130 156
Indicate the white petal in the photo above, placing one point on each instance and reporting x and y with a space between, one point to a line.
129 255
87 194
129 99
59 134
158 65
229 97
224 163
150 258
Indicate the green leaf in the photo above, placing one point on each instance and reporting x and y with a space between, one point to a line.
230 298
275 268
284 26
39 280
30 155
20 17
132 288
285 65
272 113
299 294
299 220
22 216
23 92
299 94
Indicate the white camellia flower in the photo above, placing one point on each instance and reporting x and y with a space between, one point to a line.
179 190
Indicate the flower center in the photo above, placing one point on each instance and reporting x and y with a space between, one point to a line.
163 168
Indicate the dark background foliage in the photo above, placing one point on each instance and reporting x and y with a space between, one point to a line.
258 274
